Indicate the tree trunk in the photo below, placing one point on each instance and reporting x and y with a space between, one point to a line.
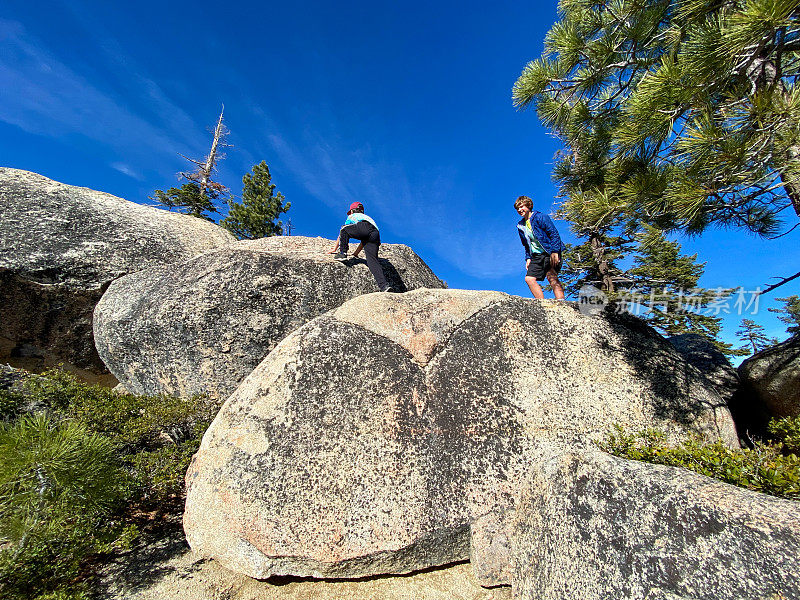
792 188
599 253
763 74
208 167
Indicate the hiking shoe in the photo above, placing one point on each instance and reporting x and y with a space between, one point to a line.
388 288
340 256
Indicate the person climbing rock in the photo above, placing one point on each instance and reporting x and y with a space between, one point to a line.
362 228
543 248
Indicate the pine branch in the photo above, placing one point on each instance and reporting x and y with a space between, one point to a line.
783 281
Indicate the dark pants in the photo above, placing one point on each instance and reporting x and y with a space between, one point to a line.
366 233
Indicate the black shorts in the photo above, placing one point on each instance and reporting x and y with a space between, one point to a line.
540 265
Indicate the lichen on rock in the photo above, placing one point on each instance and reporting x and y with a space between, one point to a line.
372 438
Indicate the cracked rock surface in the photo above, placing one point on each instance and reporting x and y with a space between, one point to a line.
595 526
202 325
370 439
60 247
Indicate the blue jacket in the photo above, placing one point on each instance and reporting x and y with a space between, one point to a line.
543 230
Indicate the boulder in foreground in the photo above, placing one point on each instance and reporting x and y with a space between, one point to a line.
370 439
593 526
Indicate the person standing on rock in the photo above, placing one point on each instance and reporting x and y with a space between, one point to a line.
543 248
362 228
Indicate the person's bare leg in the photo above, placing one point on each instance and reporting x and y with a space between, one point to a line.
536 289
558 289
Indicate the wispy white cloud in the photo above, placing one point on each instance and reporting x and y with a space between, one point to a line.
45 96
127 170
134 79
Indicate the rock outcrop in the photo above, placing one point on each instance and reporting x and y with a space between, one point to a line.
701 353
167 569
593 526
202 325
371 438
771 382
60 247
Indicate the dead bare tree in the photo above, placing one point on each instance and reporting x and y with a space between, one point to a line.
207 166
196 197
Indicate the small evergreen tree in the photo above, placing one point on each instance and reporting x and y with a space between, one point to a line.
188 199
196 197
668 281
790 313
255 217
753 337
595 262
607 238
58 485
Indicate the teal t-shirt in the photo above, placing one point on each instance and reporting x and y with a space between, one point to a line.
536 247
357 217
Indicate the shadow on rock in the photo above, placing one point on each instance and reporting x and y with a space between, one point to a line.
146 564
676 387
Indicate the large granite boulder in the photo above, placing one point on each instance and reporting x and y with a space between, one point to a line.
370 439
592 526
771 381
60 247
202 325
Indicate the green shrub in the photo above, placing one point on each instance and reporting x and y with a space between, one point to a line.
73 475
11 403
787 432
132 421
155 436
763 468
59 485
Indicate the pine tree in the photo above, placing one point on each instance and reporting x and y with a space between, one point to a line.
206 167
255 216
188 199
595 262
666 282
593 210
51 473
695 100
790 313
753 337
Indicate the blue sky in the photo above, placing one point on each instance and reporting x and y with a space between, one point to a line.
405 107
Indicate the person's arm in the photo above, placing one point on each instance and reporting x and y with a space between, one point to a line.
335 247
358 250
555 240
546 223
